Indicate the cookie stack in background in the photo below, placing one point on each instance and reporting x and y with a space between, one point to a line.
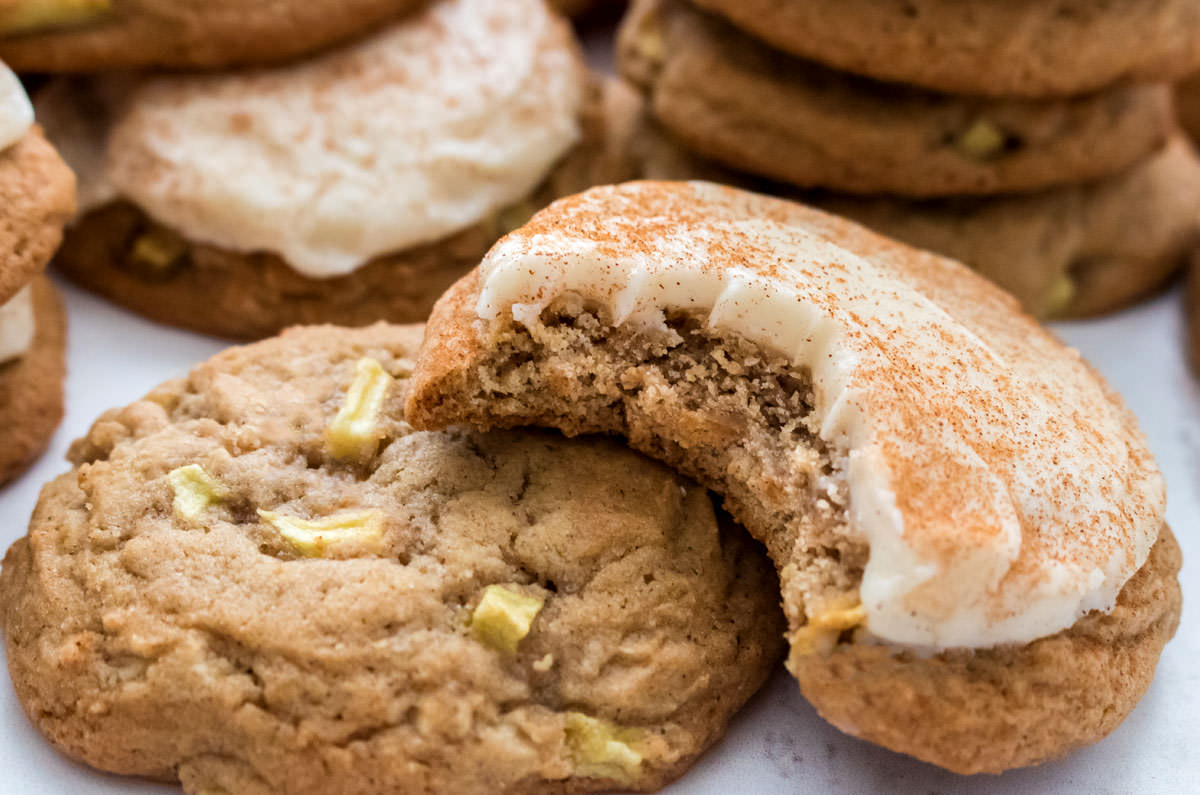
37 196
351 186
1030 140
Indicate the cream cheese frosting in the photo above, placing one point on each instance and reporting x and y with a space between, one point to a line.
1003 491
16 325
16 114
402 139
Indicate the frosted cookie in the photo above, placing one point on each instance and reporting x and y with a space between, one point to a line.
37 195
348 189
261 579
106 35
732 99
1031 48
946 490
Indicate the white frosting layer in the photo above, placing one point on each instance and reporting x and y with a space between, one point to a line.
403 139
16 114
1002 491
16 325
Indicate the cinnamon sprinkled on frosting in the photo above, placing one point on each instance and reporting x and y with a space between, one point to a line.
1002 489
403 138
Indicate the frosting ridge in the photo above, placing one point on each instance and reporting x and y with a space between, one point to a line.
1002 489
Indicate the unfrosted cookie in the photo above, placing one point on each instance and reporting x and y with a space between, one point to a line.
261 579
1034 48
37 196
937 478
730 98
107 35
1072 251
350 189
31 384
1187 105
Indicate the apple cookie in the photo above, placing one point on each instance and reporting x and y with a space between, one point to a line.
1036 48
959 508
1072 251
106 35
36 198
261 579
352 188
730 98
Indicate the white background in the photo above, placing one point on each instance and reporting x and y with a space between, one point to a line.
778 744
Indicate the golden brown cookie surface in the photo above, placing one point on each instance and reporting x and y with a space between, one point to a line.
1072 251
31 386
988 711
37 196
732 99
260 579
1015 47
107 35
720 332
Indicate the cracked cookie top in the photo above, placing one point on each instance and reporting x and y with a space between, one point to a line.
261 577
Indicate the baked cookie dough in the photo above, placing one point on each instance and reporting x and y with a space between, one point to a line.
1073 251
107 35
938 479
261 579
730 98
1187 105
31 384
313 216
37 196
1035 48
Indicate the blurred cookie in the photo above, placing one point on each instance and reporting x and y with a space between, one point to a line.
1193 312
953 498
31 381
1073 251
1035 48
730 98
107 35
349 189
37 196
1187 105
261 579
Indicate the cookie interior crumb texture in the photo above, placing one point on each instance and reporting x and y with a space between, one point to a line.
213 595
743 420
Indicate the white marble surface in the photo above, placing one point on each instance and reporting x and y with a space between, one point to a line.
778 744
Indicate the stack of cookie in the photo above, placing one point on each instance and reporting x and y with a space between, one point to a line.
352 186
334 561
1029 140
37 196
